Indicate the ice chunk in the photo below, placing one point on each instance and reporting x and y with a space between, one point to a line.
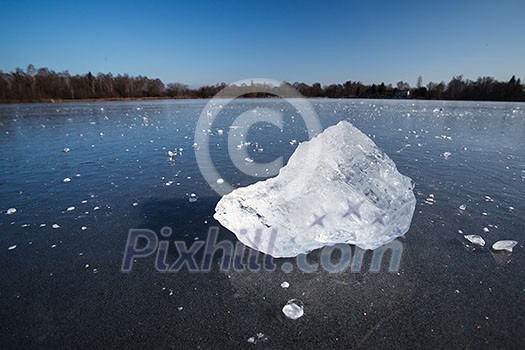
504 245
337 188
10 211
193 198
67 179
285 285
11 247
294 309
475 239
462 207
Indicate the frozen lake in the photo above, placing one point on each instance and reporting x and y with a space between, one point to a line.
61 252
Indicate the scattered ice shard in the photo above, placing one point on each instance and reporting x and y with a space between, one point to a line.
294 309
475 239
338 187
10 211
504 245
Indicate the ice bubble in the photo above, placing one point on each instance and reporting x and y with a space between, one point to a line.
294 309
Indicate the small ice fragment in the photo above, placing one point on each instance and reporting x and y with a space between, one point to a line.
84 201
511 208
171 154
193 198
220 181
53 246
475 239
447 154
220 131
12 247
488 199
83 228
55 226
504 245
135 204
67 179
293 309
96 208
485 229
180 308
10 211
460 232
285 285
484 214
195 146
462 207
248 160
70 209
259 337
66 149
293 142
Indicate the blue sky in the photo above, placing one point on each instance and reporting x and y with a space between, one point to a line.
197 42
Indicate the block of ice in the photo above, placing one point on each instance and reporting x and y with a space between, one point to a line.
338 187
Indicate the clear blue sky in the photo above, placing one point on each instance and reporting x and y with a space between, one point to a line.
197 42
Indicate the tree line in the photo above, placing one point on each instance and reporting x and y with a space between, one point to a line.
43 84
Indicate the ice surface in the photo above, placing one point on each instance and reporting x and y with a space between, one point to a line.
337 188
504 245
475 239
294 309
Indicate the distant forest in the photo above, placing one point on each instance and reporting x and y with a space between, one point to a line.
42 84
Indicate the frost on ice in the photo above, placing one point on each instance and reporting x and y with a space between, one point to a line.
337 188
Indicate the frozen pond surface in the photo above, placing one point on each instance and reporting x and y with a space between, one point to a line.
80 175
